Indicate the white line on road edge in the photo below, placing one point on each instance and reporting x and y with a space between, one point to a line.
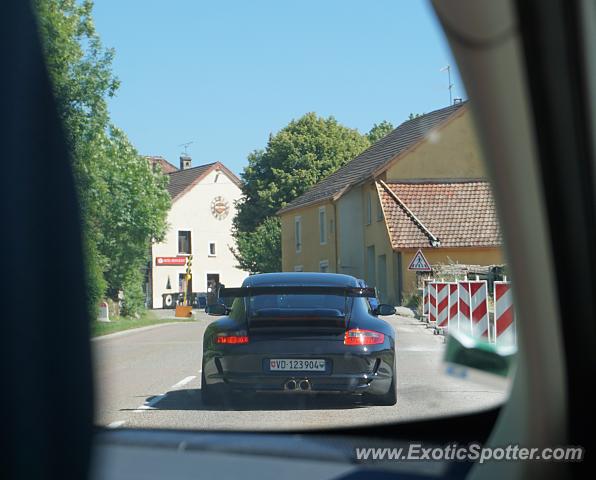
150 405
184 381
117 424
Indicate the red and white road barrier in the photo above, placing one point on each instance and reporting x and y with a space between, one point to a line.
425 300
504 330
479 308
463 306
432 303
464 315
442 289
453 308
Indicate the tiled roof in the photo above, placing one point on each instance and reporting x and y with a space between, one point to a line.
166 167
375 157
181 180
460 213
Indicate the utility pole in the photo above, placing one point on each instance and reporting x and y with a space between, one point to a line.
450 87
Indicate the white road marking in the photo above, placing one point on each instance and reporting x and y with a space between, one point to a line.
116 424
183 382
150 405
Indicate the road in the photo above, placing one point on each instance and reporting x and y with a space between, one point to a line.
151 379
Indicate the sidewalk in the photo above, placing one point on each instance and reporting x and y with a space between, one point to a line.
170 314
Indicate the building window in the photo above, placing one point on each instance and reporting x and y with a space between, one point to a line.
324 266
322 226
379 210
298 268
382 277
371 272
212 249
368 208
184 285
184 245
298 233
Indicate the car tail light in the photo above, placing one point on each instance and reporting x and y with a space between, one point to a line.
356 336
234 338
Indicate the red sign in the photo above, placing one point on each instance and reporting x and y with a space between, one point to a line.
169 261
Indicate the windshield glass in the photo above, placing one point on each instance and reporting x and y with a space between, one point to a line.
298 305
218 146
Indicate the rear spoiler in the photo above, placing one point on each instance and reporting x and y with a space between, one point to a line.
368 292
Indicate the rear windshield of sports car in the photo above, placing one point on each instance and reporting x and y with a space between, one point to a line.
281 305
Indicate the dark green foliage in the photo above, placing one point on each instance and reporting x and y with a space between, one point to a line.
123 202
297 157
379 130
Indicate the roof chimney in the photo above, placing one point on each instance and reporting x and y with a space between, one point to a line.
185 162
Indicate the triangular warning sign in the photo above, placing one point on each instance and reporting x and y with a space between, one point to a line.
419 263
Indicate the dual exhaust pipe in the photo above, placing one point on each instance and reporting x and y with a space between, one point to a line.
292 385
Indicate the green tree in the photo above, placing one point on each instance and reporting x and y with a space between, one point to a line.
379 130
133 211
260 250
412 116
298 156
123 202
81 69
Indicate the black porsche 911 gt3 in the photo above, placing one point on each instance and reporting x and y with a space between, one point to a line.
299 333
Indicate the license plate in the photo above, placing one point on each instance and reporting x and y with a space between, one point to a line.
297 364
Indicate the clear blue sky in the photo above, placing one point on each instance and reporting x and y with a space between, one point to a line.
227 73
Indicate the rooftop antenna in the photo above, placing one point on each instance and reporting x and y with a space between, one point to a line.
447 68
186 145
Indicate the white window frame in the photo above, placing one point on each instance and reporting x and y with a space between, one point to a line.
298 233
323 231
183 229
324 263
298 268
209 254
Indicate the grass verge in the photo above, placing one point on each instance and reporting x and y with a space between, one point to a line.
126 323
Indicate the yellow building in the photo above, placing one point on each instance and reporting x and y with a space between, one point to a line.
422 187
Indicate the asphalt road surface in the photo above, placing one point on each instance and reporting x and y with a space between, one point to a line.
150 378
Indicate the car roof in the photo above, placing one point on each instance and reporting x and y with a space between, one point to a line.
301 278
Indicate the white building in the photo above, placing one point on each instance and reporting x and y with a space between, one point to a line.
200 224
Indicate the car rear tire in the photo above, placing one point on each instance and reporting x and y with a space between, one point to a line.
390 398
209 395
215 395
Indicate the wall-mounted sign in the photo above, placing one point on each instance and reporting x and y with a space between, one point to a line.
170 261
419 263
220 208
